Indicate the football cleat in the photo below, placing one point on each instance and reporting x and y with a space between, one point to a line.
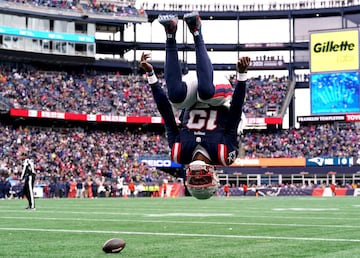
169 21
194 22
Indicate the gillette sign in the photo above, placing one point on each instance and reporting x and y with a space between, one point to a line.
335 50
331 46
334 161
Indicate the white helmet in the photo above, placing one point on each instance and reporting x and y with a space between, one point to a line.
201 179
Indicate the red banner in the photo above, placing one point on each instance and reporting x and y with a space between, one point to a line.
116 118
352 118
86 117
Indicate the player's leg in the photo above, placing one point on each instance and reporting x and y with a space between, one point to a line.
26 192
31 192
173 75
204 67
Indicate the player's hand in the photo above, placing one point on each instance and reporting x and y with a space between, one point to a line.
144 64
242 64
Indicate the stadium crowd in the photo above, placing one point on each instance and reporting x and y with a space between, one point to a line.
25 87
65 155
309 141
103 156
114 8
74 162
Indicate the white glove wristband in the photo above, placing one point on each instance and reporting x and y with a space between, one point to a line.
241 77
152 77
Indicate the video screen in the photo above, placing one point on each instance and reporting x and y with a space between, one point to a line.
336 92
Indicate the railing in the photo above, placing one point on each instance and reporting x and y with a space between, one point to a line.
289 95
257 5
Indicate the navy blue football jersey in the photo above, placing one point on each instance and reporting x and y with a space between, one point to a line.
212 127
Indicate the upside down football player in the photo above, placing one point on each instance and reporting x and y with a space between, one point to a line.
211 110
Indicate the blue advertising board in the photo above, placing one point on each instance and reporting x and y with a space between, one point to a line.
161 162
329 161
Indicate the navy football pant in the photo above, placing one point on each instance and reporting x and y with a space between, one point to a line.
177 89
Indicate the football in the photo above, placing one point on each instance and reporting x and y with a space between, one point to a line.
114 245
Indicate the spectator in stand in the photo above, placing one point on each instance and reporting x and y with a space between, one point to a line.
113 189
131 187
17 190
67 189
226 190
60 186
120 185
333 189
7 188
164 187
73 190
244 189
86 189
79 188
52 188
94 188
2 187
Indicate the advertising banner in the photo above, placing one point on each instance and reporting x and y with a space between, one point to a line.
291 191
334 161
160 162
324 118
356 161
352 118
334 51
270 162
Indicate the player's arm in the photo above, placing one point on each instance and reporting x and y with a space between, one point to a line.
161 100
23 169
238 97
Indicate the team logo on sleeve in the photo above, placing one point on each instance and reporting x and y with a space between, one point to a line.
231 157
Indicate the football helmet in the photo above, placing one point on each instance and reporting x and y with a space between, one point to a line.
201 179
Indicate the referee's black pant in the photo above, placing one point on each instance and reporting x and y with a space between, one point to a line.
29 190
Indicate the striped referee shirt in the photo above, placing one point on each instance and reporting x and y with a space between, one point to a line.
28 168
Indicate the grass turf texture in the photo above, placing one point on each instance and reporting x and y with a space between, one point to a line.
183 227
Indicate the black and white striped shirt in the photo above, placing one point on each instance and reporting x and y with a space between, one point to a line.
28 168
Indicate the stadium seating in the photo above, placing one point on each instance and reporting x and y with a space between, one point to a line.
99 93
104 156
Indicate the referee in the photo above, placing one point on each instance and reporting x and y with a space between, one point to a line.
28 173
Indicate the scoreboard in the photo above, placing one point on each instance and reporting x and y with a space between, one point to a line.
334 72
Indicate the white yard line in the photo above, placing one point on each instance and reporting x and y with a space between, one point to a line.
178 214
181 235
185 222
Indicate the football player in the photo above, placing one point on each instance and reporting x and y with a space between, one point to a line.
211 111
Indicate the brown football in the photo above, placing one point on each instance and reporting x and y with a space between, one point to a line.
114 245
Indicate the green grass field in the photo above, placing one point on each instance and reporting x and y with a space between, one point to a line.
183 227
